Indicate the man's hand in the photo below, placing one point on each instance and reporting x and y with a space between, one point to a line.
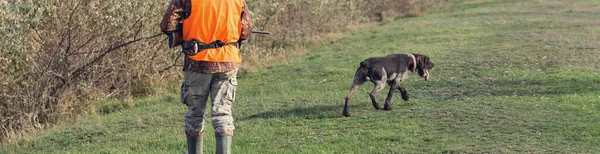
175 39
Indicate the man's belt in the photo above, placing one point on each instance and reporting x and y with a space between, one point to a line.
191 48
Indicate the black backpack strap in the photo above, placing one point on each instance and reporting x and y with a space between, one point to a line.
193 47
215 44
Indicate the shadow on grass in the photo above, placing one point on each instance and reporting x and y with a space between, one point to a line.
312 112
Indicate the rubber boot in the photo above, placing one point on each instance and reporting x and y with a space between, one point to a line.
194 144
223 144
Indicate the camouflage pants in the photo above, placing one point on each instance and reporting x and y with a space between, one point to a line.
196 89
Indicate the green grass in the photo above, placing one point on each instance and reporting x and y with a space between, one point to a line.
511 76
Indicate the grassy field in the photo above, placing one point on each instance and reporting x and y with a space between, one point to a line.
511 76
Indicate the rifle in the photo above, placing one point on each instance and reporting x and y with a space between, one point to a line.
239 43
176 38
260 32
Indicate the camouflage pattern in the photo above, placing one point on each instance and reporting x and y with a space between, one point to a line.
208 67
196 89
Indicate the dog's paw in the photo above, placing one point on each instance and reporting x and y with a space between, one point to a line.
405 97
404 94
387 108
346 114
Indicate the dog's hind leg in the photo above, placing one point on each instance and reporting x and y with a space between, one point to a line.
393 87
359 79
379 85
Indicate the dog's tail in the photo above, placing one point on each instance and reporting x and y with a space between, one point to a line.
362 71
364 64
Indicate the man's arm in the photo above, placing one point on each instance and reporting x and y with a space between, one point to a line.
172 17
171 22
246 22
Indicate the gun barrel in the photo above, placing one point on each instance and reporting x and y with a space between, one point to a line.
260 32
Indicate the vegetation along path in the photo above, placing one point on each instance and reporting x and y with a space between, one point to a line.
511 76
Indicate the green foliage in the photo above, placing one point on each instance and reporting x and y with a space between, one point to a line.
57 58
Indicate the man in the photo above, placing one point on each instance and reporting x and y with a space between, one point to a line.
211 31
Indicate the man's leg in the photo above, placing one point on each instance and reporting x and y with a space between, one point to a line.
194 93
222 96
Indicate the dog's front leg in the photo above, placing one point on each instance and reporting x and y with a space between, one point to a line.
403 93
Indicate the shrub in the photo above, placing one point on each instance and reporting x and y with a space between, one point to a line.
62 54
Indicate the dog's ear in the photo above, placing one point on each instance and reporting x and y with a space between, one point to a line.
425 62
419 62
420 59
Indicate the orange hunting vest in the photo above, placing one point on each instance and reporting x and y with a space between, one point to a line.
212 20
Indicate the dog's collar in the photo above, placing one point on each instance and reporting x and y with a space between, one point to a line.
414 62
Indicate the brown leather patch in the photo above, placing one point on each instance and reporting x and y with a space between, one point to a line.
191 133
224 132
201 134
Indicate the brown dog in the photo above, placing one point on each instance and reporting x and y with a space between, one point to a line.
391 69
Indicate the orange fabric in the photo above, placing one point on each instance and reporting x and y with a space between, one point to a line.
213 20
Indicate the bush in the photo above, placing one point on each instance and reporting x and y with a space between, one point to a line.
61 55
